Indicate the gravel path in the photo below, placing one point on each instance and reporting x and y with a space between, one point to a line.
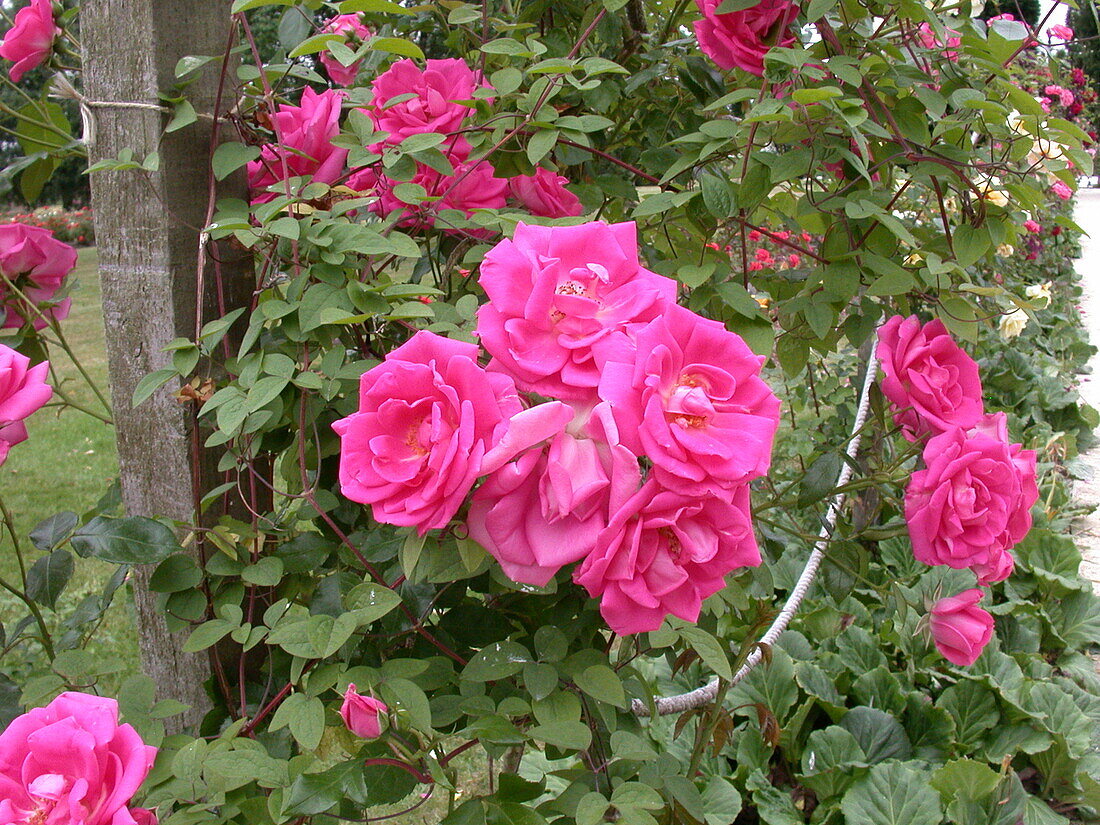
1087 216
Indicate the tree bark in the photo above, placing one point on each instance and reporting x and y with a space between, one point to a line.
147 228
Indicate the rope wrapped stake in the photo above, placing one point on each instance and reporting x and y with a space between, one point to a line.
701 696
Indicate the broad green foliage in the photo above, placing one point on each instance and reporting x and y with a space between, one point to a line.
880 177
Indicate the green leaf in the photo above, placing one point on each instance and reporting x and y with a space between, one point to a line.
207 634
721 801
248 5
710 650
497 661
375 6
134 540
603 684
229 157
370 602
51 532
831 761
893 793
540 144
770 685
568 735
315 793
266 572
879 734
150 384
304 716
48 577
717 194
396 45
965 778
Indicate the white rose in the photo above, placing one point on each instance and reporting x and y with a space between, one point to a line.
1013 324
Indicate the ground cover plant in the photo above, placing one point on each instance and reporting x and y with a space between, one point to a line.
555 355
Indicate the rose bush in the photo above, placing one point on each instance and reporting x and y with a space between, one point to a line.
524 463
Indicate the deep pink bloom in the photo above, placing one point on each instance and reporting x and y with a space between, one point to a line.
37 263
742 38
960 628
1032 226
440 90
972 502
29 42
557 293
472 186
71 762
665 553
23 390
544 194
547 508
306 150
931 382
430 422
352 28
687 394
1061 32
143 816
1061 190
362 714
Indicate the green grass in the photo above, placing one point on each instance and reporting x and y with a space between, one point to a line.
67 463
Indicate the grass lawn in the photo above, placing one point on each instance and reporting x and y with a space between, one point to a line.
68 463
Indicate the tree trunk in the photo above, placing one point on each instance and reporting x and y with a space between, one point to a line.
147 232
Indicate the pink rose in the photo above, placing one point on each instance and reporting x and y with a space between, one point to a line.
440 89
472 186
306 150
29 42
71 762
931 382
1060 32
555 293
742 38
546 509
544 194
960 628
929 40
972 502
1061 190
351 28
143 816
37 263
1032 226
23 390
430 422
688 396
665 553
362 714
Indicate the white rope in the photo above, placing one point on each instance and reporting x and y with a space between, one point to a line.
707 693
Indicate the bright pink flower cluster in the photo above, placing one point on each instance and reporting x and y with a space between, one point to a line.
305 147
971 502
573 316
71 762
351 28
23 390
36 264
440 103
740 39
30 41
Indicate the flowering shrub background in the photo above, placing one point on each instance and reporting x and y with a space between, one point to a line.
857 162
